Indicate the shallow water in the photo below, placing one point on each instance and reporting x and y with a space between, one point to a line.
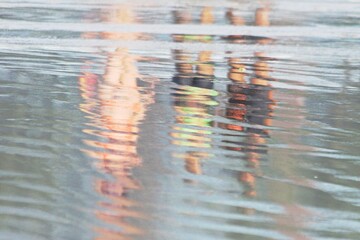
179 120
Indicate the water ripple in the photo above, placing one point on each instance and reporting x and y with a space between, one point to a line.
179 120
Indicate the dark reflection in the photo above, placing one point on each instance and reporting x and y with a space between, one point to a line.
251 104
115 105
193 98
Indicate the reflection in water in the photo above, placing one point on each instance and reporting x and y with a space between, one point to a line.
253 103
266 139
250 102
193 97
115 105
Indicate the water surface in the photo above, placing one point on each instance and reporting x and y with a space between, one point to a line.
179 120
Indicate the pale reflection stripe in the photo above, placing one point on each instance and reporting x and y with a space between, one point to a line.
81 45
218 30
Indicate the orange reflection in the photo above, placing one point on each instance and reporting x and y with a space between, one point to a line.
194 95
115 105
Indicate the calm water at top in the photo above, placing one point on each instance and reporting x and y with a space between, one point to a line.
179 120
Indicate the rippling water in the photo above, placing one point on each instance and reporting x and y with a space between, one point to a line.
179 120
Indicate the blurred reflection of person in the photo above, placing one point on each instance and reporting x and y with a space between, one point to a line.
250 102
194 94
116 105
253 103
259 108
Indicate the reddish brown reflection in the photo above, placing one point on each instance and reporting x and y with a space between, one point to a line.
115 106
252 102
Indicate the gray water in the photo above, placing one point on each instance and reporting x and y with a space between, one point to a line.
179 120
